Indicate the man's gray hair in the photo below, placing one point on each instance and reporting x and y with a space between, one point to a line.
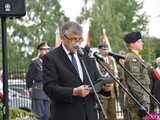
71 27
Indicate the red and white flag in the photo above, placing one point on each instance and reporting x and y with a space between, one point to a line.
86 36
106 41
58 38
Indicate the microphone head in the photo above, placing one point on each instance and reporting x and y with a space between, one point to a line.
80 51
95 54
116 56
98 56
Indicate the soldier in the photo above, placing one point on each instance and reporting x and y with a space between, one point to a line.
138 68
40 102
107 102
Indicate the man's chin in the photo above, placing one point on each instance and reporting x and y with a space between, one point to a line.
74 50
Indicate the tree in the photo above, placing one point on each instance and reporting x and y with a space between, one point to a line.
38 25
117 17
151 44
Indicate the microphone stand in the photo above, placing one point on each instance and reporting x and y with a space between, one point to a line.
155 100
101 62
94 90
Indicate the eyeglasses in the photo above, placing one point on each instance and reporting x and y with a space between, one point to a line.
74 38
44 49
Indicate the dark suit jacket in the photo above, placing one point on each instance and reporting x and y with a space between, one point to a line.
60 79
34 80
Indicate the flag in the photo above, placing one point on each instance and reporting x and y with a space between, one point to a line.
58 38
86 36
106 41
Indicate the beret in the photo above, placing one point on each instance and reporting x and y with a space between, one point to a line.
132 37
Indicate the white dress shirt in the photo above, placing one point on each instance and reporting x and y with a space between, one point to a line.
77 60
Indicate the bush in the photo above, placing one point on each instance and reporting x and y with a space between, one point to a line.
19 114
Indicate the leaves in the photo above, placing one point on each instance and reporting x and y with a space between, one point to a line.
38 25
117 17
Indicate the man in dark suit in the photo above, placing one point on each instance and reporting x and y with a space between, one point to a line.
40 101
66 82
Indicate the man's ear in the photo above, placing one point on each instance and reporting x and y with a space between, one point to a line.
61 36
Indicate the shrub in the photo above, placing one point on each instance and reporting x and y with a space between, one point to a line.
18 114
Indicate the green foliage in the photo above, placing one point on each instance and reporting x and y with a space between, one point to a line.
39 24
150 46
19 114
130 18
117 17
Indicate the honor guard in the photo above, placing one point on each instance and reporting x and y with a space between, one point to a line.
139 69
34 78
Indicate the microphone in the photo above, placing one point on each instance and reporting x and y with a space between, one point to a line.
80 51
115 55
98 56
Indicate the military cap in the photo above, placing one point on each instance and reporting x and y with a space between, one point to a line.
132 37
103 46
43 45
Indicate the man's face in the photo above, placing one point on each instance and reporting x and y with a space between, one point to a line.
43 51
138 45
72 40
103 52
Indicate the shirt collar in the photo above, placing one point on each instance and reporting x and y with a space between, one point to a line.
67 51
135 52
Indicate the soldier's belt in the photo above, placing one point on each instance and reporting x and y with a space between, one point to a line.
37 85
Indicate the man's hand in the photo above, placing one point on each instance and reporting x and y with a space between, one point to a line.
82 90
107 87
142 112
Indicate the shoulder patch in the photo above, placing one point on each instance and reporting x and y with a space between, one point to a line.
134 60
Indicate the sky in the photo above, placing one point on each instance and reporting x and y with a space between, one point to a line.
152 8
72 9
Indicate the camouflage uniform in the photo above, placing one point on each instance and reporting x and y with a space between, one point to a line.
109 103
138 69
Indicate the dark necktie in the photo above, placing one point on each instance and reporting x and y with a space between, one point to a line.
74 62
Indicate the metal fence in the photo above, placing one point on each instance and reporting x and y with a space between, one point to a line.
19 95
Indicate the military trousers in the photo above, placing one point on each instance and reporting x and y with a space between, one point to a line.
109 105
41 108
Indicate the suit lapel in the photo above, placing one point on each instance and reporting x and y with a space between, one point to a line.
67 61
